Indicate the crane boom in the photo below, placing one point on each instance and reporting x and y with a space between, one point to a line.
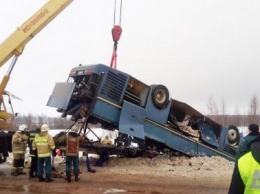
13 47
14 44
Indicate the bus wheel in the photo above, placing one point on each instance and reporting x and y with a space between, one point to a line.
233 135
160 96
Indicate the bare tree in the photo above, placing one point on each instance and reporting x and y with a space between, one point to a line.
17 121
33 121
237 117
212 108
223 111
253 109
41 119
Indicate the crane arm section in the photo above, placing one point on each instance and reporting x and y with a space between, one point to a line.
14 44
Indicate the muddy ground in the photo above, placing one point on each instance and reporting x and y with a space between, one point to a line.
176 175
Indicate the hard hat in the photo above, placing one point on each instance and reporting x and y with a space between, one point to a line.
22 127
74 129
45 128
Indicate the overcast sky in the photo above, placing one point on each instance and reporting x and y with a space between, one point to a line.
197 49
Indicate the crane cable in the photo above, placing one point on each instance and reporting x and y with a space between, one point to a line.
116 33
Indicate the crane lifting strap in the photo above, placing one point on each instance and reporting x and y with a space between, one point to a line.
116 33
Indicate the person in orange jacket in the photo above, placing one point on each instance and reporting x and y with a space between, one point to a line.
73 141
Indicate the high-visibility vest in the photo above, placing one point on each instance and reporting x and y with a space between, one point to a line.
72 145
32 135
249 170
44 145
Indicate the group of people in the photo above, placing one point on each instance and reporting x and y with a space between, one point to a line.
245 177
41 145
246 173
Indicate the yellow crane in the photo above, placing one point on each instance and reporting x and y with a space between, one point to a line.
14 45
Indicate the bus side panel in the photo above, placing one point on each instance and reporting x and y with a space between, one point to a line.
132 114
131 120
106 111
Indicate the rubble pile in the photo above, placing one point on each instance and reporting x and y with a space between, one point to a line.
178 165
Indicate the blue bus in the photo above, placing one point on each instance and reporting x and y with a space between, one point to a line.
99 94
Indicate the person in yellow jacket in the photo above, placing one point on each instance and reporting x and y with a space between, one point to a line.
106 141
19 144
246 174
44 144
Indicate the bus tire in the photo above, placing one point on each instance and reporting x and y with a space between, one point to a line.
233 134
160 96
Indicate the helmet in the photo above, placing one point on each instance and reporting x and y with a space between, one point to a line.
74 129
45 128
22 127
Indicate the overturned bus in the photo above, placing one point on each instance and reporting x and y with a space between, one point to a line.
116 100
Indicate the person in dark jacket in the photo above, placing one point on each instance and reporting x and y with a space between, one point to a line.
33 153
91 170
246 174
244 145
104 156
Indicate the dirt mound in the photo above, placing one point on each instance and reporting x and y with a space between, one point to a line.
181 166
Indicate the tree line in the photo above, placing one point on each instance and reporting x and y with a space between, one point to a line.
34 121
219 114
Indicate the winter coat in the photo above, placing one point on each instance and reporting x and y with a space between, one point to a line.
244 145
19 143
44 144
73 141
107 141
33 153
246 174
